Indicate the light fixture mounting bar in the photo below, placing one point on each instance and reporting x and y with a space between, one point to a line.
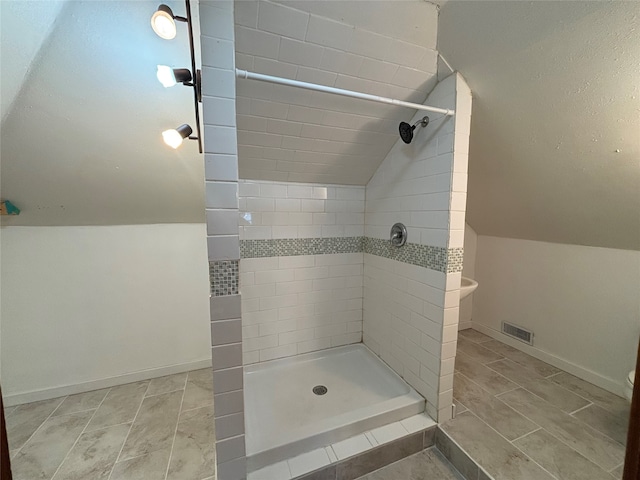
194 76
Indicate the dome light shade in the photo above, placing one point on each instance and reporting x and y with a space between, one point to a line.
174 137
163 22
165 76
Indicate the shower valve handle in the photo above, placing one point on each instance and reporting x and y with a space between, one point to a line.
398 235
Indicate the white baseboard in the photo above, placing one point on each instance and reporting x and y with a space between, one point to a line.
62 391
464 325
612 385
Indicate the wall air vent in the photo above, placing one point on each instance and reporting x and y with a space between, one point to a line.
518 333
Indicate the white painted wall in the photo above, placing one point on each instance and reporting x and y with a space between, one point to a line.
582 303
469 271
93 304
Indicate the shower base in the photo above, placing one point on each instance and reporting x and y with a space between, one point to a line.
284 417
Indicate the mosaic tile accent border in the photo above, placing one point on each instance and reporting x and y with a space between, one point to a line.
446 260
288 247
224 277
426 256
455 258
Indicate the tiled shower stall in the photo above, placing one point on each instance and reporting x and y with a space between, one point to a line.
302 267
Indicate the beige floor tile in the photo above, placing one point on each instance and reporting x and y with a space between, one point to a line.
167 384
541 368
549 391
193 456
94 455
44 452
199 390
81 402
459 406
26 419
474 335
617 472
491 410
495 454
9 410
488 379
613 426
154 426
558 459
426 465
119 406
607 400
477 352
589 442
145 467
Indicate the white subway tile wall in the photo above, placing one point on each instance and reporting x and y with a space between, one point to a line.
298 304
320 138
221 187
411 313
294 305
272 210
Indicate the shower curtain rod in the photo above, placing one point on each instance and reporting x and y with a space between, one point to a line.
338 91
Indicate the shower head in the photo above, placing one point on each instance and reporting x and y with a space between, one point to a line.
406 130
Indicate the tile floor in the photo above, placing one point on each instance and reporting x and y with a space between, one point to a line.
519 417
426 465
156 429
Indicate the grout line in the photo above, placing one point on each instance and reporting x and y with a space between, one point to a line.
576 419
589 402
15 453
507 391
448 461
548 377
108 426
129 432
581 408
79 411
175 432
9 410
525 435
56 409
81 433
462 405
616 467
133 458
163 393
515 446
196 408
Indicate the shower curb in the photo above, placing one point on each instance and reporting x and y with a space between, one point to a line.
375 458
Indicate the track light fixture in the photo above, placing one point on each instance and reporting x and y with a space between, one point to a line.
174 137
168 76
163 22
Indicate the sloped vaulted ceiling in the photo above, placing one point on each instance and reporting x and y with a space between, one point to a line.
81 144
26 27
555 137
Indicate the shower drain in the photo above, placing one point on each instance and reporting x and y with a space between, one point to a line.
319 389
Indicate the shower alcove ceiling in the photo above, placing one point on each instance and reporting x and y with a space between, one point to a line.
289 134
